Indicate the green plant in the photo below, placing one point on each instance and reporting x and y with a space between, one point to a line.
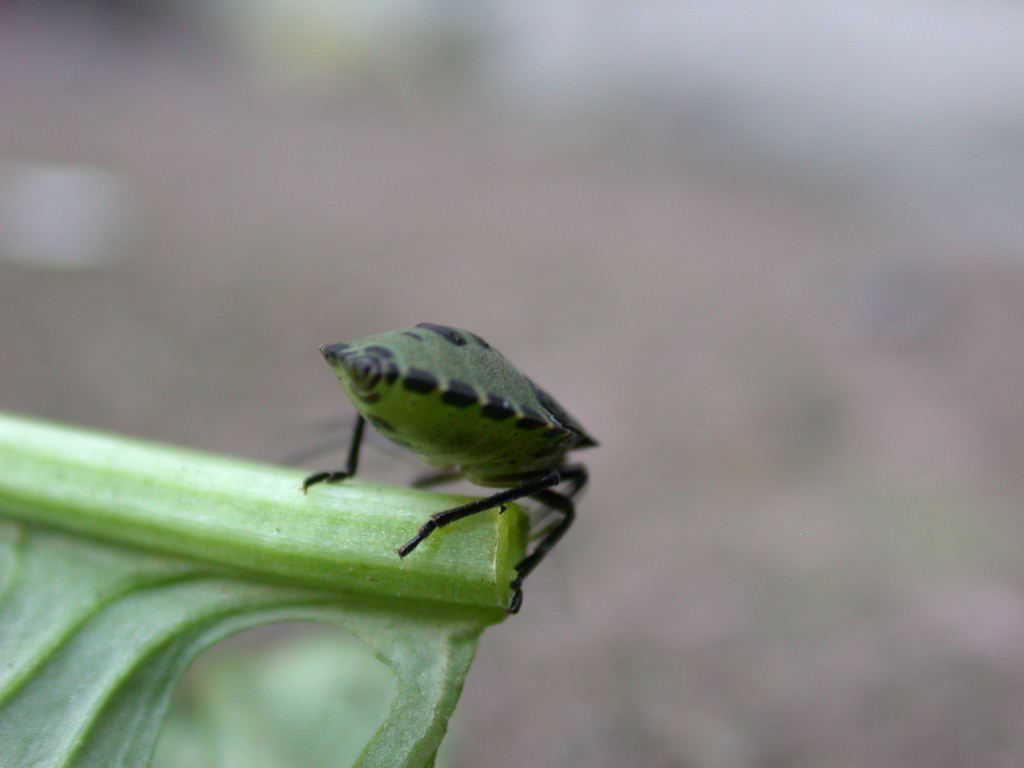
120 561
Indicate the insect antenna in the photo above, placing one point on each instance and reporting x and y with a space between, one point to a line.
343 427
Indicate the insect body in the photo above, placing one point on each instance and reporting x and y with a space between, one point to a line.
449 396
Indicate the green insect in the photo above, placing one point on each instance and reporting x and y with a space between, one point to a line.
452 398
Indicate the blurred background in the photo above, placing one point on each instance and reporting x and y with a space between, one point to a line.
769 254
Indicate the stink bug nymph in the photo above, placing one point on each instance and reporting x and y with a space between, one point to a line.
452 398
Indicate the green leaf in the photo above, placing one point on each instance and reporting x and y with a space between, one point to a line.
302 698
121 561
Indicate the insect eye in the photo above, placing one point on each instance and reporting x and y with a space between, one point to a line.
364 371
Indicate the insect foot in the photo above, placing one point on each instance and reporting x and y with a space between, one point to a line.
427 529
517 596
323 477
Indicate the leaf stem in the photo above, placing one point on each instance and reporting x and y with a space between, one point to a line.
243 515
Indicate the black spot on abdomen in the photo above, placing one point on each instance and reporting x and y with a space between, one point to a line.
418 380
531 420
460 394
480 341
446 332
497 408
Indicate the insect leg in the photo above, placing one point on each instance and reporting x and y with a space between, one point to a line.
562 504
577 477
350 463
440 519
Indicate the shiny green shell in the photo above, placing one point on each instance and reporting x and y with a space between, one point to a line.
452 398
